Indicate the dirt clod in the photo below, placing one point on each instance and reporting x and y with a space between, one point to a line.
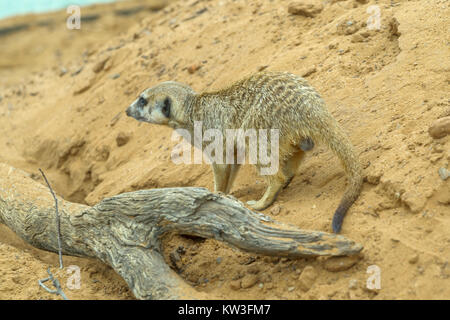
306 8
307 278
122 139
337 264
440 128
249 281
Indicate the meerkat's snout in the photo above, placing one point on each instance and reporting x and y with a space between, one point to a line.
138 109
151 108
128 112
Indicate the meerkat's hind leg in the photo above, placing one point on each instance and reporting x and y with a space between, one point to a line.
275 184
293 162
221 177
291 165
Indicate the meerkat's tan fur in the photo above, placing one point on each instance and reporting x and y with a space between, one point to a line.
265 100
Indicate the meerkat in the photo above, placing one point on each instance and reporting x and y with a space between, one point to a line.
275 100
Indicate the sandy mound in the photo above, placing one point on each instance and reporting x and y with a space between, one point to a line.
63 110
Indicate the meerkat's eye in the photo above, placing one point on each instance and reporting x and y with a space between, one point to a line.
142 102
166 107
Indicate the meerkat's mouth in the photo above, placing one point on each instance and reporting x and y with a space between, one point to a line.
128 112
131 114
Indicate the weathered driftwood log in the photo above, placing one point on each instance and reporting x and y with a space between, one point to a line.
125 231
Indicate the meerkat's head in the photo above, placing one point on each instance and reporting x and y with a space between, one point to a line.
162 104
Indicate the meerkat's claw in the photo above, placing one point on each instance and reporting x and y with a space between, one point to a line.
251 202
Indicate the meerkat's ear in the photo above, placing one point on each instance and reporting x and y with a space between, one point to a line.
166 107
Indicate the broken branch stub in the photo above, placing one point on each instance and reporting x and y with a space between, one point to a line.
125 231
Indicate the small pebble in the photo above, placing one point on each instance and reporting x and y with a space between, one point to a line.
353 284
336 264
275 210
307 278
253 269
306 8
122 139
235 285
62 71
444 173
440 128
192 69
100 64
249 281
414 259
175 257
181 250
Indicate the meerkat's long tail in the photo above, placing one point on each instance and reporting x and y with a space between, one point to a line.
329 131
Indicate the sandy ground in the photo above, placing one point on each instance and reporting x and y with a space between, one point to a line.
62 99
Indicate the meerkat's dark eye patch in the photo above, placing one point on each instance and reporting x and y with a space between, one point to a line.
166 107
142 102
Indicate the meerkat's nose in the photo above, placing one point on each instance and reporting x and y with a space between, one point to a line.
128 112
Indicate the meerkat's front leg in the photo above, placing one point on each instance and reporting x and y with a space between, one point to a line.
234 168
292 165
221 177
274 185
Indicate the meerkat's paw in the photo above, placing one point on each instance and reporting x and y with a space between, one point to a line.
257 205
